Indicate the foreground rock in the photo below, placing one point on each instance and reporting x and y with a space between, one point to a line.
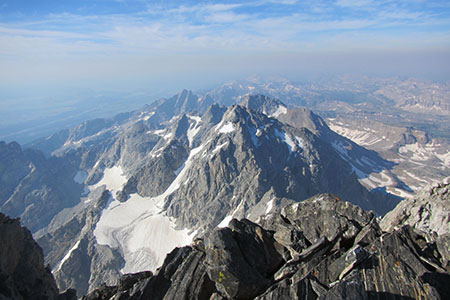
22 271
321 248
428 211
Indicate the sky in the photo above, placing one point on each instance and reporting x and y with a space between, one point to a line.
124 45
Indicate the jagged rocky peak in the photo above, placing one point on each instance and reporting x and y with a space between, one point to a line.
303 117
297 116
323 215
263 104
22 271
248 159
321 248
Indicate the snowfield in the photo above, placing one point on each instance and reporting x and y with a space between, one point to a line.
138 227
227 128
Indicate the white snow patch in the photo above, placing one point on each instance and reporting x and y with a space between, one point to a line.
66 257
365 137
360 174
159 132
401 193
150 240
425 152
96 164
280 110
289 142
367 161
286 139
375 180
168 136
80 177
300 142
259 132
194 128
270 206
227 128
192 132
195 118
341 149
218 147
225 221
445 158
415 177
367 183
230 217
176 183
113 178
254 135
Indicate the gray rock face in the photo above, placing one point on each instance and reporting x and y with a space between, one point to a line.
35 188
428 211
22 271
339 254
241 259
255 160
71 248
367 165
264 105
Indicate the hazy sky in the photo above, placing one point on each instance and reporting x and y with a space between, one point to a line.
143 44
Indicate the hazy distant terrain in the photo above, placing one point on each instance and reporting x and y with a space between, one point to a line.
404 102
28 118
407 102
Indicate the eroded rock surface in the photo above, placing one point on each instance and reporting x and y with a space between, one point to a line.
428 211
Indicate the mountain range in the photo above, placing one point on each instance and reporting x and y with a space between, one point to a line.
114 196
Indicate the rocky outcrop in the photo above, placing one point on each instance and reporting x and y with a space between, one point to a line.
264 104
428 211
321 248
242 259
22 271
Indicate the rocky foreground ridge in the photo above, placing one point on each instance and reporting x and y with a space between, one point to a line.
321 248
22 271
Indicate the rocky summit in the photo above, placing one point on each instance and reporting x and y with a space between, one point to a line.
321 248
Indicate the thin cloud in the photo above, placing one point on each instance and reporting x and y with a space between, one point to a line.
220 31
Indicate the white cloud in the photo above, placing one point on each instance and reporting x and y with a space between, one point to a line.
163 39
354 3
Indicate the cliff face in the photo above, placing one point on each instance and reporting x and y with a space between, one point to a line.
22 271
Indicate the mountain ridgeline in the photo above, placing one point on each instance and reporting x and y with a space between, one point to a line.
114 196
